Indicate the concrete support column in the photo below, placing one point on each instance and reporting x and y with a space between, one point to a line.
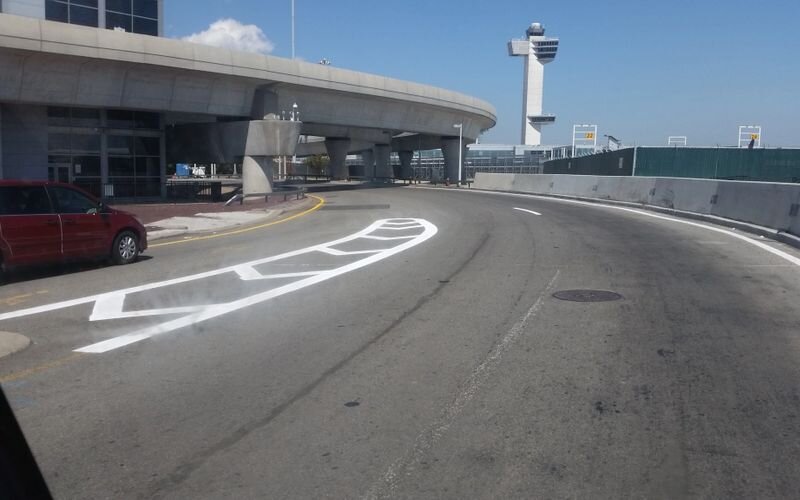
406 171
337 152
383 160
256 176
450 153
368 159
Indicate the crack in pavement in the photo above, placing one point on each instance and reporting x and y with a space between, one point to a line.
386 485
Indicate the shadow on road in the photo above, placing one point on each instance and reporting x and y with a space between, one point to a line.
50 270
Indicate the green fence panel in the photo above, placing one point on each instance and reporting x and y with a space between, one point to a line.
769 165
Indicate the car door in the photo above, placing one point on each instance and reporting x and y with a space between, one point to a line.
29 226
85 231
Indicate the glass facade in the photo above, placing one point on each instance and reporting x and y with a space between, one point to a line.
134 153
133 16
73 147
118 149
83 12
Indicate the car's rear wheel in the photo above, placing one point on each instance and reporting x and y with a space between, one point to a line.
126 248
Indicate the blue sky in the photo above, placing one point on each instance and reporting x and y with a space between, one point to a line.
640 69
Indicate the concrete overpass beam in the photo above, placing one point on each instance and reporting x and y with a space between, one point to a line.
450 153
256 176
368 160
383 160
337 152
406 171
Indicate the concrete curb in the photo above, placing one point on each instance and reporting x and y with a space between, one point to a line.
168 232
12 342
183 230
766 232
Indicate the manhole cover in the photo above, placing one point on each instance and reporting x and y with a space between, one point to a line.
587 295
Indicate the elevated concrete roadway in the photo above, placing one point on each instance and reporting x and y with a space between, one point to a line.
50 63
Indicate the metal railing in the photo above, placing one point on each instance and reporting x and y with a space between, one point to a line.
194 190
299 192
307 178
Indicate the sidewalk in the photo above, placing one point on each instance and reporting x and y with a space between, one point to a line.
164 220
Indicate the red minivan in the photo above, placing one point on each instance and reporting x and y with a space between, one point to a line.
42 222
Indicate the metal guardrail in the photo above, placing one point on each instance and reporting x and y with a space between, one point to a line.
286 191
299 192
306 178
468 182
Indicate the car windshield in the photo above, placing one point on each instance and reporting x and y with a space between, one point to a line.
314 249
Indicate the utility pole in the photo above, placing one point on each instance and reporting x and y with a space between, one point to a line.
292 29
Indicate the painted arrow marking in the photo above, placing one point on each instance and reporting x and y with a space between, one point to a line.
111 305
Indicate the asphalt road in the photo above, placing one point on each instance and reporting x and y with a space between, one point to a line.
441 367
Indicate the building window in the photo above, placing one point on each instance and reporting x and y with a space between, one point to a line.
134 153
123 119
136 16
145 8
145 26
56 11
83 12
115 20
132 149
122 6
120 118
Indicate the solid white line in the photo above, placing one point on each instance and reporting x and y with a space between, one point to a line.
399 228
526 210
106 306
247 273
387 483
142 313
287 275
387 238
342 253
400 222
780 253
250 274
214 311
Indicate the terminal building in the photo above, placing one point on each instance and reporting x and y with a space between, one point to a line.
87 146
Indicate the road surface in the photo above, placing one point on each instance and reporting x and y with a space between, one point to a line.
406 343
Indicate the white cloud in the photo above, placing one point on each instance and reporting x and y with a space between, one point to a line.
231 34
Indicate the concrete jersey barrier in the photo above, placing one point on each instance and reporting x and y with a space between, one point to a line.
766 204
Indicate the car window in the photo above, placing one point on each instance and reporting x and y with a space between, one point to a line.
69 201
24 200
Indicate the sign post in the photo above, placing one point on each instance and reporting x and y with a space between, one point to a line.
584 137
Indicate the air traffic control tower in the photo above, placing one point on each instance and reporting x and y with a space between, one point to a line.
537 50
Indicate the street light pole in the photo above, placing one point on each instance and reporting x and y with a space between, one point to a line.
460 127
292 29
295 117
